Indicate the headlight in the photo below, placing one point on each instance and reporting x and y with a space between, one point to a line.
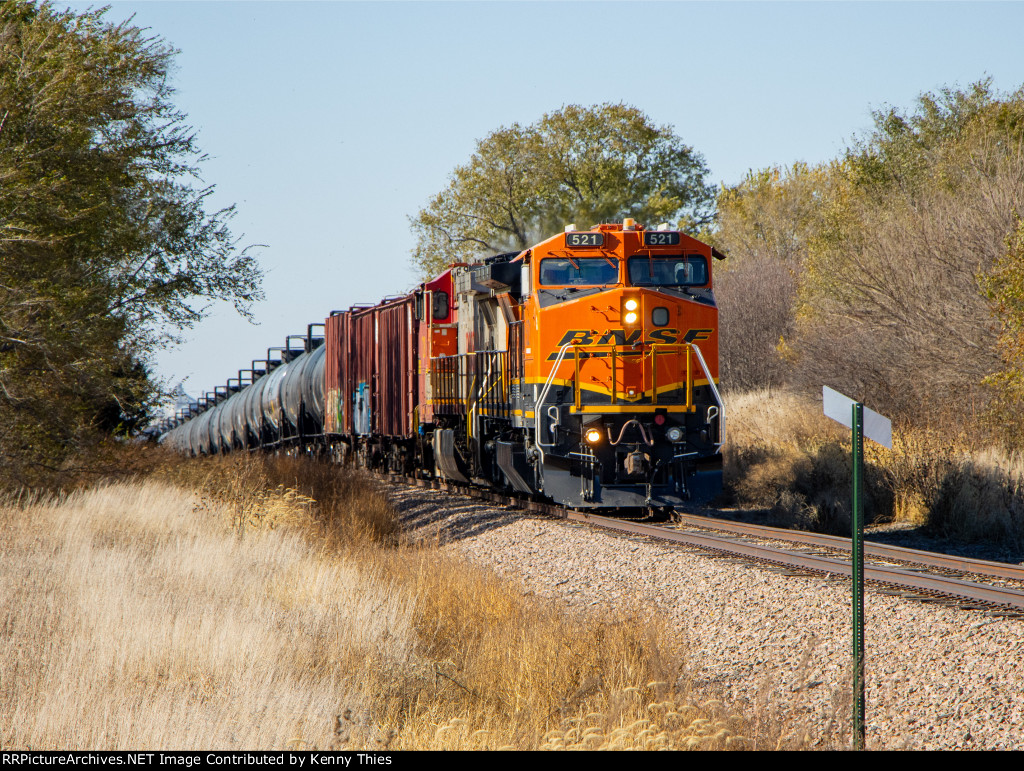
674 434
630 310
593 435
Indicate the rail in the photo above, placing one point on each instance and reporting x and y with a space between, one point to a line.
871 548
1004 600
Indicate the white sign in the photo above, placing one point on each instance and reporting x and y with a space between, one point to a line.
839 408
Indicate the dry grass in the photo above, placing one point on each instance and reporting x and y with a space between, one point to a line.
512 671
958 490
785 456
250 603
274 603
135 616
268 490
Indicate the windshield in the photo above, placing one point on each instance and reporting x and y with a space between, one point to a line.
587 271
679 270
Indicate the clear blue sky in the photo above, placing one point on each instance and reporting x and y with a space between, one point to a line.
330 123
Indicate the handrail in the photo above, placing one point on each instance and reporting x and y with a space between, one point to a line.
544 395
656 349
718 397
477 377
689 372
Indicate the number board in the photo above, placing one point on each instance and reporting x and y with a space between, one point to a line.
578 240
661 238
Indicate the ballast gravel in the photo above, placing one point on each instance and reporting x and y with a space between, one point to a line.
937 677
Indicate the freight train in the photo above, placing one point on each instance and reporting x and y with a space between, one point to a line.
581 371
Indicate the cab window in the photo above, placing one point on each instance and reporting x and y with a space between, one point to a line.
678 270
587 271
440 310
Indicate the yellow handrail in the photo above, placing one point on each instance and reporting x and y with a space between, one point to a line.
655 350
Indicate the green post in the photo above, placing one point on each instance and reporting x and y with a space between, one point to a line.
858 576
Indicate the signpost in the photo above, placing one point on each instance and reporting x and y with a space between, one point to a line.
864 423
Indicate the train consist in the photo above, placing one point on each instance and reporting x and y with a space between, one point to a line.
582 371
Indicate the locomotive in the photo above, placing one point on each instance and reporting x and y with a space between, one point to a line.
580 371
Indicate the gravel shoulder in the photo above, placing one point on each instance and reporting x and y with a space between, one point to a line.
937 677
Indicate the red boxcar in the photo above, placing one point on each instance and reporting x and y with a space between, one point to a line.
337 399
370 374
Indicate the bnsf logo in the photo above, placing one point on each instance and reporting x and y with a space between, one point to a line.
620 337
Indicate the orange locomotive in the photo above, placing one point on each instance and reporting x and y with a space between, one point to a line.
582 370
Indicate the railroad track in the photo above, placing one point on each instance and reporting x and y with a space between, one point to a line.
964 565
906 575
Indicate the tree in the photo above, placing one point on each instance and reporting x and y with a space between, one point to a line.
771 213
580 165
106 248
904 248
893 299
1004 287
755 301
939 145
766 224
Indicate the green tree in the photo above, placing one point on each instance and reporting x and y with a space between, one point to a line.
106 247
580 165
941 144
771 214
904 249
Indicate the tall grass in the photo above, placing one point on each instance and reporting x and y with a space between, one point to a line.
274 603
786 457
266 490
134 617
958 489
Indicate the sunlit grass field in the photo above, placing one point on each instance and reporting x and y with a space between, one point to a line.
274 603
